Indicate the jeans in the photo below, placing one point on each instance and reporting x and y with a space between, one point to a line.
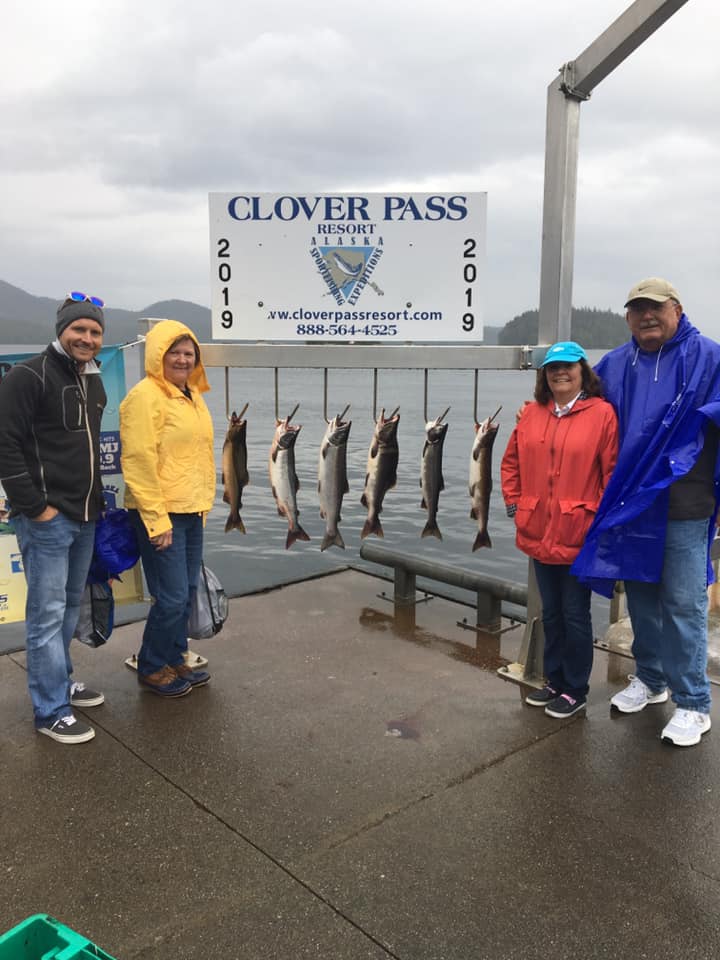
56 557
172 577
669 619
568 653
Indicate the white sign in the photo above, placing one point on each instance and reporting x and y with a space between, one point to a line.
322 267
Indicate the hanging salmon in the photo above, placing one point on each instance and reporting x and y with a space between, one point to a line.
431 475
332 478
381 473
283 478
481 477
235 475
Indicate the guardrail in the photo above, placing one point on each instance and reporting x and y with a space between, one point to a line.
489 591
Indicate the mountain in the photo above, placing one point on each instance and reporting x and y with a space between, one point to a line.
490 335
593 329
25 318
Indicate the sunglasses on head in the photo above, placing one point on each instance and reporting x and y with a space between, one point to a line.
79 297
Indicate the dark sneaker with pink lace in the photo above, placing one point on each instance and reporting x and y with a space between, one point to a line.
564 706
541 698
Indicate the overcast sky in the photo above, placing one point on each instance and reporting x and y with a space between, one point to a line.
120 117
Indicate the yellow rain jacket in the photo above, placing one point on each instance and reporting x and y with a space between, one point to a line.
166 439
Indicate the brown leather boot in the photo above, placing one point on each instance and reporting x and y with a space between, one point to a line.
196 678
165 682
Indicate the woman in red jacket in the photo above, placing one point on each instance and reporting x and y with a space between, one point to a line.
557 464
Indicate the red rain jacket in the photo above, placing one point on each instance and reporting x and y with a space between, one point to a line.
555 470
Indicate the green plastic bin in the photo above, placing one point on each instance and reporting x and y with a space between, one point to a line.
42 937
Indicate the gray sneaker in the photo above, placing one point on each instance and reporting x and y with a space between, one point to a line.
82 696
68 730
636 696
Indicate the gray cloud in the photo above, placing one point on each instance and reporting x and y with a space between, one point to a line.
120 119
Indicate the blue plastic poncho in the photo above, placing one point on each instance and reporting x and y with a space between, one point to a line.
663 401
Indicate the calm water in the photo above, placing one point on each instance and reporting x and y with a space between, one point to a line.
259 559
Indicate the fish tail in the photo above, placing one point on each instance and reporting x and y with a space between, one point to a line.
332 540
482 540
372 525
297 534
234 523
431 529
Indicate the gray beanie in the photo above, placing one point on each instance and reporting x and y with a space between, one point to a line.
71 310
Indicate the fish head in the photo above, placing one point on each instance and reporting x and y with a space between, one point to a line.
386 428
285 434
435 431
237 428
338 431
485 433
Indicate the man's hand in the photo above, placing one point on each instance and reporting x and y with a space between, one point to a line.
48 514
521 411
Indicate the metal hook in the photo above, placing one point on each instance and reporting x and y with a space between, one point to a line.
425 402
475 400
295 410
375 416
325 399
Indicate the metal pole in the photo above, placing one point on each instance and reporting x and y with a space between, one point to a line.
576 82
558 236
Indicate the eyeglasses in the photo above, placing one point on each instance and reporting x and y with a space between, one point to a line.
79 297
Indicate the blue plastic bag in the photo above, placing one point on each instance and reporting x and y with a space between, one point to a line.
116 546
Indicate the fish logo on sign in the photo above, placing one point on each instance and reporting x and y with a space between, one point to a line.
346 271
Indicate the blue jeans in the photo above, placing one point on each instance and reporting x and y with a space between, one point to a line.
669 619
56 557
568 652
172 577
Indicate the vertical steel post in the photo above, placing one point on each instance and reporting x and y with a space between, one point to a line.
404 587
558 233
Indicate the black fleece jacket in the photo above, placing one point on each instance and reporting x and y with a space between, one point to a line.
50 437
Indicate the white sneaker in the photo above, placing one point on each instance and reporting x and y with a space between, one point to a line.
686 727
636 696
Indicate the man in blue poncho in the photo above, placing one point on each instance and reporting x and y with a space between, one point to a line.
657 516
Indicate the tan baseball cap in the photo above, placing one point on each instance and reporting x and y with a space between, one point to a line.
654 288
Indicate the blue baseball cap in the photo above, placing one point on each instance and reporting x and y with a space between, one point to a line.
567 351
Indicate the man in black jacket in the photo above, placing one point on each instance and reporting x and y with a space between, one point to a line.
50 469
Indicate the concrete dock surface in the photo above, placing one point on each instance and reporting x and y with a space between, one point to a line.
351 786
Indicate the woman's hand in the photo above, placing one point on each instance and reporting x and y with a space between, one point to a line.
162 541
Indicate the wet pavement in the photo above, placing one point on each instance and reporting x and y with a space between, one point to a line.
349 786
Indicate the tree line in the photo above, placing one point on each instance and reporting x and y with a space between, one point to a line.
593 328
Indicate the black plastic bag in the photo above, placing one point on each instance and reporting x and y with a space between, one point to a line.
209 609
97 615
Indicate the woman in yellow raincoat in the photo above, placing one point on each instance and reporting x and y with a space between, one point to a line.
166 436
